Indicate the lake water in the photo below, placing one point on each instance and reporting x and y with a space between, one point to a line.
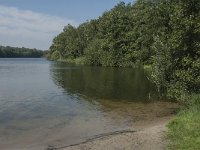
46 103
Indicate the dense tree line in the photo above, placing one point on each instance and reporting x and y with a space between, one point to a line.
164 34
15 52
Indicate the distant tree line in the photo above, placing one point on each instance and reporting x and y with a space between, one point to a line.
164 34
15 52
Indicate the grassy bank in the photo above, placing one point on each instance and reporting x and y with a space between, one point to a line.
184 130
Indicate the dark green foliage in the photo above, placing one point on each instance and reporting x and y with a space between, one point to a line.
15 52
163 34
186 52
116 28
177 58
93 52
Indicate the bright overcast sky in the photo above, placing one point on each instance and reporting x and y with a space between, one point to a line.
34 23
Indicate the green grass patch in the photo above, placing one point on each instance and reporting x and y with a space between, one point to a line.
184 130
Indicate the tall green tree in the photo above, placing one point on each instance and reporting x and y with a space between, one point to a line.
162 33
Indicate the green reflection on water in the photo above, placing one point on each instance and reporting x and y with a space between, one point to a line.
107 83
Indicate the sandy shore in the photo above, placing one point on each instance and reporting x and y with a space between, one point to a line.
149 135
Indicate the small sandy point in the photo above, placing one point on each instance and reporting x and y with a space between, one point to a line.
149 135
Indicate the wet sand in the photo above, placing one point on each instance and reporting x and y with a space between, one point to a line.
150 136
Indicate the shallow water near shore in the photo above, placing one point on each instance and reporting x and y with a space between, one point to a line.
46 103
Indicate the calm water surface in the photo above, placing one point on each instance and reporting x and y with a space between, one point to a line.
46 103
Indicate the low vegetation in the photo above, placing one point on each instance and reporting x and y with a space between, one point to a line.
184 130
